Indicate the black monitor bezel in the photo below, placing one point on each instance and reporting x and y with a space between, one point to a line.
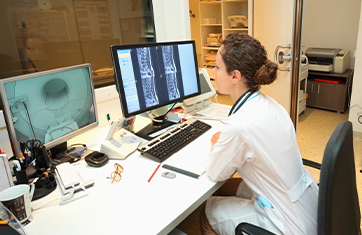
118 76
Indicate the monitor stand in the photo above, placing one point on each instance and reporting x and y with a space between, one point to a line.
150 131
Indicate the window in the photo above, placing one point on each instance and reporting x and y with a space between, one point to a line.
42 35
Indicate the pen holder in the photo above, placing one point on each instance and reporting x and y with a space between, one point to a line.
21 176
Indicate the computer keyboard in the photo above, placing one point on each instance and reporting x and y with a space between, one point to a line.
163 146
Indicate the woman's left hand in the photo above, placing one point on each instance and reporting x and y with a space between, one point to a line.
214 139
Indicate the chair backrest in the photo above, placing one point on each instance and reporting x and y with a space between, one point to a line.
338 205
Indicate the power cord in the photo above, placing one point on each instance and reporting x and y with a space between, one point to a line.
154 119
359 114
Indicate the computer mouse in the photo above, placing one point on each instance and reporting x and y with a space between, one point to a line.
168 174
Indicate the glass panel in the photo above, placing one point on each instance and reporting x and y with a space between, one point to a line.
47 34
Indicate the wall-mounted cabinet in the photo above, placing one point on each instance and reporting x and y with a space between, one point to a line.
214 21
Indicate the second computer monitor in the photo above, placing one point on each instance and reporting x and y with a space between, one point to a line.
149 76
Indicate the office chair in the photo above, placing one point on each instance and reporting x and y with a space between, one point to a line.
338 205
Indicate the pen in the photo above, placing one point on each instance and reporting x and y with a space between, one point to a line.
154 172
2 222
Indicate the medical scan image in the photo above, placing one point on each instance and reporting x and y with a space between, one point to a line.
50 106
153 75
170 71
147 76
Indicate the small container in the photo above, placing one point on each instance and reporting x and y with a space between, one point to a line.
210 21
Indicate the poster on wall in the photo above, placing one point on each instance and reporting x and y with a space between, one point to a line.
93 20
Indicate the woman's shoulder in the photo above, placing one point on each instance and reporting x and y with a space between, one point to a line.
255 109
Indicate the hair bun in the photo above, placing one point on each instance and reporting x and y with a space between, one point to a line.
266 74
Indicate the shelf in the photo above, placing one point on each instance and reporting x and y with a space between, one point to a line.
342 75
210 48
206 64
236 29
212 2
206 25
235 1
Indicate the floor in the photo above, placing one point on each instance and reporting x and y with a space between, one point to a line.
314 129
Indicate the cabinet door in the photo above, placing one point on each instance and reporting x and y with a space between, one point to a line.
336 97
322 95
317 94
312 93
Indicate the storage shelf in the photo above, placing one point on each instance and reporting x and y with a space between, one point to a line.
205 25
235 1
236 29
211 48
219 11
209 3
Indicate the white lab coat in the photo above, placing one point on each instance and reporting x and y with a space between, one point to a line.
259 142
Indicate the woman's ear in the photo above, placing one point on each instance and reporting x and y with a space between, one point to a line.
236 76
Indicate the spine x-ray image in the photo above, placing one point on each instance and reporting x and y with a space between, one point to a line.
170 70
147 76
159 74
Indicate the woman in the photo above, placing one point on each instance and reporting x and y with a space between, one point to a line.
259 142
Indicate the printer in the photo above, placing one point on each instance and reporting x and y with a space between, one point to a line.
328 59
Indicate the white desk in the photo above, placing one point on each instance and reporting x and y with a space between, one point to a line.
131 206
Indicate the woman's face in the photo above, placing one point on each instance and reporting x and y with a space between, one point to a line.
222 78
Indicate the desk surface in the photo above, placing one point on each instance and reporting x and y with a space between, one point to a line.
131 206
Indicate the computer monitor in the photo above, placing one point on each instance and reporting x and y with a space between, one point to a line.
152 75
51 106
207 91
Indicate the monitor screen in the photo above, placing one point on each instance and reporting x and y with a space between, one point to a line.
207 89
153 75
50 106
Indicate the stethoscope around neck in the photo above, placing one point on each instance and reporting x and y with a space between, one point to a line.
241 101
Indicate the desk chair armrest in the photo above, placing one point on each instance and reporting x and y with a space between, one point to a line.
312 164
246 228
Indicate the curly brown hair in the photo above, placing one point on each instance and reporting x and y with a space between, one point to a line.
244 53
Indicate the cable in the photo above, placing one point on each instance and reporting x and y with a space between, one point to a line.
359 114
45 204
208 118
355 105
27 113
153 118
72 148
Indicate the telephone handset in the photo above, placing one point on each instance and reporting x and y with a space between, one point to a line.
116 126
238 21
125 123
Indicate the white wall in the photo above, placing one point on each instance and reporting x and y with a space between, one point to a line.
172 23
331 24
356 98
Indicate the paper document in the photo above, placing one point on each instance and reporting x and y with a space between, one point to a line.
216 111
190 163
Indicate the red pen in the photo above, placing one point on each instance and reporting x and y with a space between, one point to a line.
154 172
